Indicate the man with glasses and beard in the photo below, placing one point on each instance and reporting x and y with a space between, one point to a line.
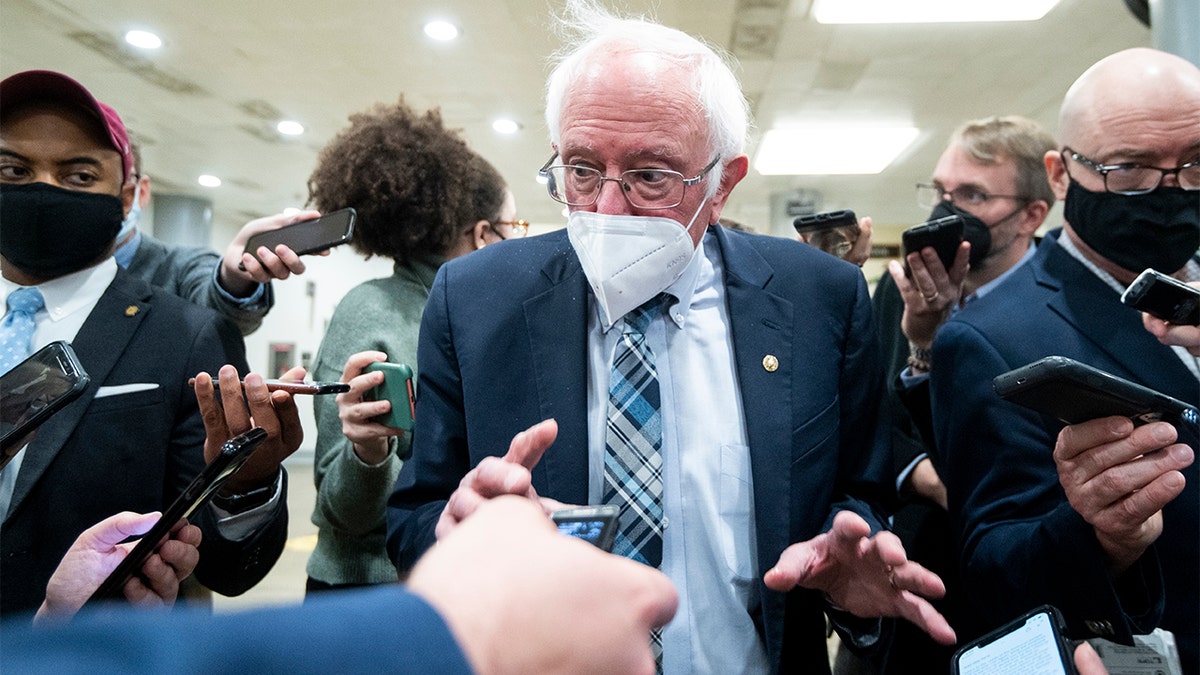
1099 518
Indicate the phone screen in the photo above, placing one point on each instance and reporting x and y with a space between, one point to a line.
596 525
1029 647
35 389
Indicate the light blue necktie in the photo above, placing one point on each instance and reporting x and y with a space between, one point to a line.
16 331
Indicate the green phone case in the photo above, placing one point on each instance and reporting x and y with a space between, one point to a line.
397 387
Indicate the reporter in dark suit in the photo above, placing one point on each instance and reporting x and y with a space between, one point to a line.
135 438
1098 519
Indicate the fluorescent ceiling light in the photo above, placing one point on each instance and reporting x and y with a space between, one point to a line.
929 11
505 126
289 128
441 30
209 181
143 39
831 149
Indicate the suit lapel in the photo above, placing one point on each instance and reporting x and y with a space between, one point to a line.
1098 316
760 324
556 320
99 344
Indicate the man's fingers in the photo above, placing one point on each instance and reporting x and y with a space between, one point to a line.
922 614
1076 438
237 417
1141 505
116 529
794 564
528 446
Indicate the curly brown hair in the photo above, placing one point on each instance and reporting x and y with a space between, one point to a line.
415 184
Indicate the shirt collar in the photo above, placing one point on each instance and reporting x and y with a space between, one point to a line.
77 290
987 288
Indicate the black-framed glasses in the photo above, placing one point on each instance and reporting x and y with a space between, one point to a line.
1136 179
520 228
930 195
576 185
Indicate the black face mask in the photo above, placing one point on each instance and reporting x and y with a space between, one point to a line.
46 231
975 231
1160 229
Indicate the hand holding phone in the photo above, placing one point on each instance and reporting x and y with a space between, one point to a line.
293 387
833 231
202 489
945 235
307 236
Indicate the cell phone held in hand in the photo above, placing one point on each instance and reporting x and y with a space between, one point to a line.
1164 297
1033 643
307 236
594 524
36 388
943 234
825 221
834 232
199 492
397 387
1075 392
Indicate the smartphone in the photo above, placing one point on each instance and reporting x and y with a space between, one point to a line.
1164 297
307 236
834 232
397 387
593 524
944 235
293 387
233 455
1034 643
35 389
1075 392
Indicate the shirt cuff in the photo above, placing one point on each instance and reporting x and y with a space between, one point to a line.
904 473
238 526
252 301
909 379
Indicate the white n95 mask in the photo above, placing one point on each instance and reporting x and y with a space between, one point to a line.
628 259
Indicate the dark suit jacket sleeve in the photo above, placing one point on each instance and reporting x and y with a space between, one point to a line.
440 458
1016 530
384 630
227 567
190 273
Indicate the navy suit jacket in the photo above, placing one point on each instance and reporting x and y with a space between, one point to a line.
128 452
503 345
1022 543
381 630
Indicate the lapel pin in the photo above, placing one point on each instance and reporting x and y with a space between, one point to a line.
770 363
132 310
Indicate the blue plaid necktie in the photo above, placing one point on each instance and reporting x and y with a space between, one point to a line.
633 447
16 331
633 441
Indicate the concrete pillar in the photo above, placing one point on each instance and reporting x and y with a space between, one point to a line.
182 220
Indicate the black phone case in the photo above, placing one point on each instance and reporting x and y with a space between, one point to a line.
1058 625
1074 392
1164 297
203 487
944 235
825 221
308 236
31 396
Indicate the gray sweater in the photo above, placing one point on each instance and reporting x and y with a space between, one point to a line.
382 314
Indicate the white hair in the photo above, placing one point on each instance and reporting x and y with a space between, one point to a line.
586 26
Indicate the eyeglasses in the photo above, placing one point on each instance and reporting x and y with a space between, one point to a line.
576 185
520 228
931 195
1136 179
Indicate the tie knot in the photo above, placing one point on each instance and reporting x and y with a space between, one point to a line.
638 319
27 300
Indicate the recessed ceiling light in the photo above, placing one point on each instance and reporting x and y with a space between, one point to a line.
929 11
143 39
209 181
506 126
441 30
290 128
831 149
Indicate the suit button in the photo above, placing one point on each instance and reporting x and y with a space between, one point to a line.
1100 627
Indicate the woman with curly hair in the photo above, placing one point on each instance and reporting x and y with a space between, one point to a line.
422 197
